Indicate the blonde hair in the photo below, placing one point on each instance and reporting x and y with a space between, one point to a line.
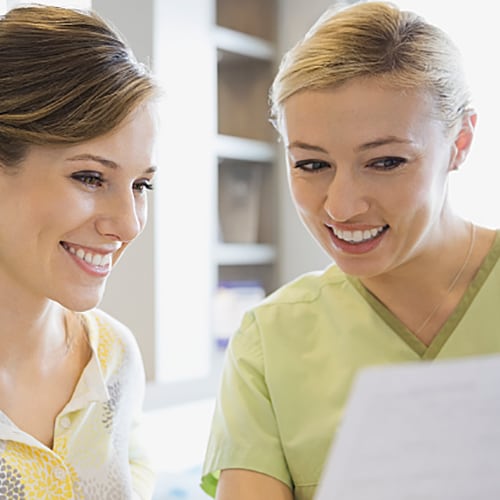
66 76
375 39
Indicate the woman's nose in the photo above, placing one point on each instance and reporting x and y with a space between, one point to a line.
345 197
122 217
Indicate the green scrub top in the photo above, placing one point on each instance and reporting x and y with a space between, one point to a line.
289 368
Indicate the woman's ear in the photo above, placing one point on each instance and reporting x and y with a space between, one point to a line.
463 140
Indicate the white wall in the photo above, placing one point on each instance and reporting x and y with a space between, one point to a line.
155 290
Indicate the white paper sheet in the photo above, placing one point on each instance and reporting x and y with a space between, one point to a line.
419 431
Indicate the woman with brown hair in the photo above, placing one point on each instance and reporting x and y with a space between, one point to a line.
77 130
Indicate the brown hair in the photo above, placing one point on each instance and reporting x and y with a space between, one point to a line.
66 76
375 39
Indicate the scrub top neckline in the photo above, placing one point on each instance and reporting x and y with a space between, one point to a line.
432 350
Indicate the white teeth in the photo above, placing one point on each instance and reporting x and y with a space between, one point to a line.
357 236
96 259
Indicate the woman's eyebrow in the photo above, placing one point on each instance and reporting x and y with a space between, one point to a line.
98 159
305 145
382 142
103 161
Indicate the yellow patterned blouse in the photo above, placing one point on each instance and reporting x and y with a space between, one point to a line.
96 453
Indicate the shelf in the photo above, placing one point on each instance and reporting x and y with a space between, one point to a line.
235 42
244 37
231 254
254 17
238 148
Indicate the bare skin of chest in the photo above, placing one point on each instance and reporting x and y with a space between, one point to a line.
33 397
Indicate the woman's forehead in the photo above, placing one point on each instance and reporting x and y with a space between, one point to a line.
358 108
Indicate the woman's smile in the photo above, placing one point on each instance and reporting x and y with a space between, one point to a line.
96 262
356 240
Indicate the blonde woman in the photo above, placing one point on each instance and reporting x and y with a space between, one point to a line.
374 115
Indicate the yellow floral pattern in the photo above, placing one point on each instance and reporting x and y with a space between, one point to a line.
91 458
47 473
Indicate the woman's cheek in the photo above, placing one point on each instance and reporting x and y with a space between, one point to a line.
308 197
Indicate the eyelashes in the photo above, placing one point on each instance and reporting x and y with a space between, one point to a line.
311 165
143 186
387 163
384 164
94 180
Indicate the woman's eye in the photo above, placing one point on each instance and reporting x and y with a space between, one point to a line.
389 163
311 165
143 185
89 178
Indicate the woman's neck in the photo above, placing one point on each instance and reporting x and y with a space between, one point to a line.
424 292
28 334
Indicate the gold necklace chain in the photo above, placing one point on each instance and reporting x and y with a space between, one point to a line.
453 282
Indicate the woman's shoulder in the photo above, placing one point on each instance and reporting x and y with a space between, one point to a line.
111 339
309 287
300 301
103 324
